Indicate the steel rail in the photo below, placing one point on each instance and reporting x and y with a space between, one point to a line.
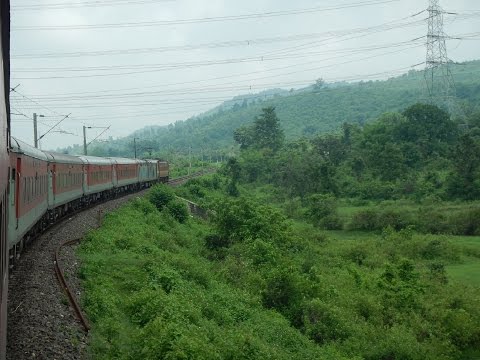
66 288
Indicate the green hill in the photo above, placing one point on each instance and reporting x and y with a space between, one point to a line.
303 112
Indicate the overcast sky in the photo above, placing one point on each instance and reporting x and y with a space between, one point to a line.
133 63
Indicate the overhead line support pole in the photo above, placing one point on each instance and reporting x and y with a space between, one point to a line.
35 131
84 140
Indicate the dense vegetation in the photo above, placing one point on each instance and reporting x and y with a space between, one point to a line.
153 293
369 248
305 112
417 154
251 284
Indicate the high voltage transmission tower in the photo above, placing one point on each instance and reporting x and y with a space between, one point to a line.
438 76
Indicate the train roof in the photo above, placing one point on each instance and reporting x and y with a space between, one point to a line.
21 147
63 158
124 161
95 160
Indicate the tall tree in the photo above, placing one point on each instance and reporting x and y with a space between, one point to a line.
267 130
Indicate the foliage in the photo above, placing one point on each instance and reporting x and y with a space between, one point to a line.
160 298
178 210
160 195
322 211
252 284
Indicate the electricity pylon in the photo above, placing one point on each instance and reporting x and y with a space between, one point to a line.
438 76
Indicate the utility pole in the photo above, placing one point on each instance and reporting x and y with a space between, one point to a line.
35 133
135 146
84 140
438 76
35 129
85 145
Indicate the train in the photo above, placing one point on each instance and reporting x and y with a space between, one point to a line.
45 186
4 166
39 187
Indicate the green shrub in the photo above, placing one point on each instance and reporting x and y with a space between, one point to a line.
432 221
466 222
395 219
320 206
331 222
215 241
364 220
178 210
323 322
282 292
160 195
144 205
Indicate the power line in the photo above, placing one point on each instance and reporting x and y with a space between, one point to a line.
173 66
61 6
33 101
207 19
217 98
230 43
181 91
156 66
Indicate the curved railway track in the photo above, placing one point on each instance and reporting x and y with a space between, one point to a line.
41 324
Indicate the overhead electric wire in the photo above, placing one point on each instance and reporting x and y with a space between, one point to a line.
217 98
172 92
206 19
230 43
173 66
209 62
62 6
35 102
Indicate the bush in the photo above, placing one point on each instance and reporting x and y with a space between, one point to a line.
178 210
320 206
432 221
160 195
215 241
322 210
364 220
466 222
331 222
323 322
395 219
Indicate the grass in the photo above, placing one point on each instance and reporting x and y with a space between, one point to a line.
468 273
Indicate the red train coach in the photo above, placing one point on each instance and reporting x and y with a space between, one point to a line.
126 172
4 165
65 189
28 193
98 179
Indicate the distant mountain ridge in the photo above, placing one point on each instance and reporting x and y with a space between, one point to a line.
303 112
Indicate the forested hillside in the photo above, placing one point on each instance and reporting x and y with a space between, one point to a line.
314 110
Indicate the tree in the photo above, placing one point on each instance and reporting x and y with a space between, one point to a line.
267 130
319 84
429 127
244 136
463 181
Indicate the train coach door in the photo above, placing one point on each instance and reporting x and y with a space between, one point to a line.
115 173
51 185
16 191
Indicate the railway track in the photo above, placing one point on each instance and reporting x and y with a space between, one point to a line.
41 323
